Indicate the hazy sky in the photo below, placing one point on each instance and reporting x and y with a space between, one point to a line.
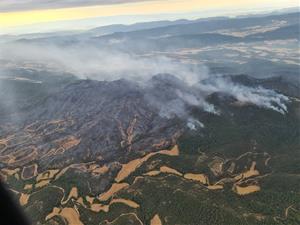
41 15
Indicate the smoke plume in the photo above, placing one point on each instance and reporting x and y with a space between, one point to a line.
90 62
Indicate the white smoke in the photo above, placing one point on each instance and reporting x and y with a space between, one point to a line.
98 64
194 124
259 96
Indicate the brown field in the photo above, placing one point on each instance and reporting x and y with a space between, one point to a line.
73 194
42 183
54 212
100 170
152 173
155 220
130 203
114 189
24 199
165 169
99 207
10 172
28 186
197 177
173 152
105 208
246 190
130 167
69 214
215 187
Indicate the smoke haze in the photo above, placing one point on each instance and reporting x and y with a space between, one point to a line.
89 62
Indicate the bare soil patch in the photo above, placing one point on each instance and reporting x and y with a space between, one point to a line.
155 220
113 189
196 177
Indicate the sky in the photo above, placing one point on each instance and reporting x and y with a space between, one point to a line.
28 16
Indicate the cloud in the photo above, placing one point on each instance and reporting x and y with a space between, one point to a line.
24 5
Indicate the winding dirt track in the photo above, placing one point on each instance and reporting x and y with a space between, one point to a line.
122 215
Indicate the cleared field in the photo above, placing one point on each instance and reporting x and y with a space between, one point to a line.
155 220
113 189
196 177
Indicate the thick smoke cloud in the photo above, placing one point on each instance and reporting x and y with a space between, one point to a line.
183 89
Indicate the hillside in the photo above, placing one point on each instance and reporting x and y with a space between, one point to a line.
125 163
